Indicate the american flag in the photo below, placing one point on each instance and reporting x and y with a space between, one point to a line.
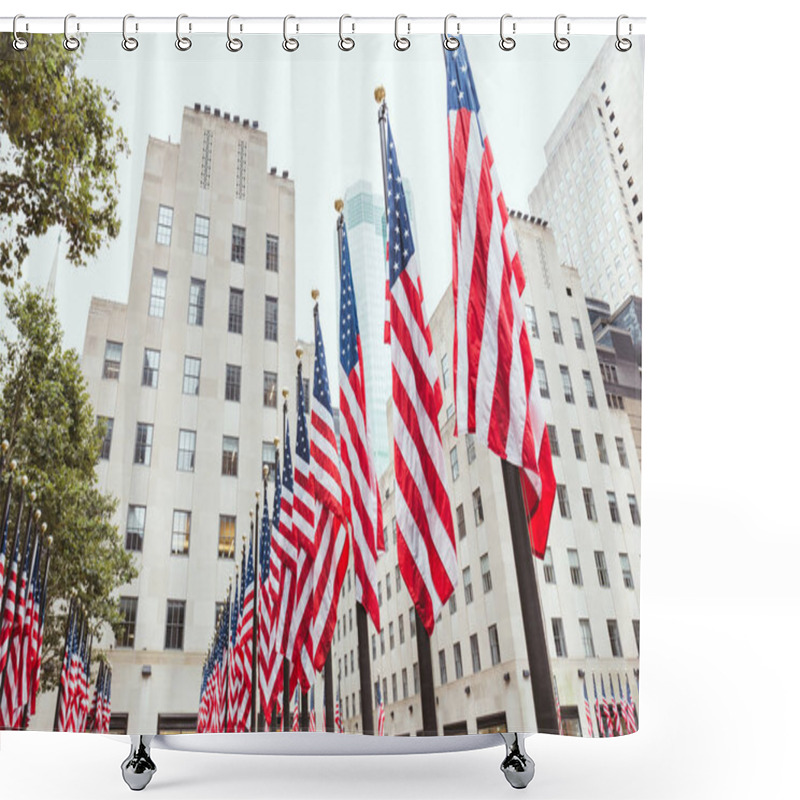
381 711
425 537
232 678
303 519
64 683
245 640
606 710
285 550
296 710
6 631
3 544
587 709
337 716
630 707
28 643
268 587
558 706
496 394
359 482
333 545
615 715
312 712
600 732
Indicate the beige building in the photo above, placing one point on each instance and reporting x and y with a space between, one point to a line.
589 581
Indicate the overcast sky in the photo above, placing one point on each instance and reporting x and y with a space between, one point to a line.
318 110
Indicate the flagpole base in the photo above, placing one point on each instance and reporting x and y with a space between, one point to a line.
517 766
138 768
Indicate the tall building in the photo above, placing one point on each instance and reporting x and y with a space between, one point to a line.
588 581
591 189
188 375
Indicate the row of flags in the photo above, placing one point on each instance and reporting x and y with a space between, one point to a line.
24 567
609 717
326 499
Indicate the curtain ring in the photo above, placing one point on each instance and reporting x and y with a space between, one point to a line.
128 42
623 45
290 45
507 42
20 43
234 45
183 43
401 42
561 43
451 42
70 42
345 42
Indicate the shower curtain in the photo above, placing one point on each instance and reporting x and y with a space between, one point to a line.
321 385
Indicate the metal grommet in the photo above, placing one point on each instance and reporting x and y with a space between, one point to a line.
289 44
507 42
401 42
622 44
233 44
450 42
183 43
19 43
70 42
345 42
128 42
561 43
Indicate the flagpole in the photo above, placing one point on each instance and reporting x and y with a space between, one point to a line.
254 637
70 613
15 542
286 722
329 722
364 667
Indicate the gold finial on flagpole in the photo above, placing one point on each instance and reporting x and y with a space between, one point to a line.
338 205
299 352
276 441
315 295
285 393
380 94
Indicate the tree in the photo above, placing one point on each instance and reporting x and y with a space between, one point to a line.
58 153
46 416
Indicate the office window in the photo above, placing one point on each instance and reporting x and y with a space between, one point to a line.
186 450
271 389
374 648
552 435
226 542
470 448
442 668
613 638
269 455
176 615
191 375
575 574
134 529
613 508
197 301
530 316
563 501
577 443
108 430
486 573
589 386
451 604
623 456
556 325
126 631
158 293
230 455
467 581
445 362
415 670
272 253
541 377
271 318
401 630
602 569
380 594
549 570
397 579
477 506
112 360
181 528
586 635
235 310
391 634
567 383
164 227
558 636
200 240
461 523
627 575
576 327
237 244
233 382
350 622
588 502
602 454
143 446
459 664
494 644
412 622
383 643
476 653
152 361
388 586
636 632
404 675
454 462
385 693
635 519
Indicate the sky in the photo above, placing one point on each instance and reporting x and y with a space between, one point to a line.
318 110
